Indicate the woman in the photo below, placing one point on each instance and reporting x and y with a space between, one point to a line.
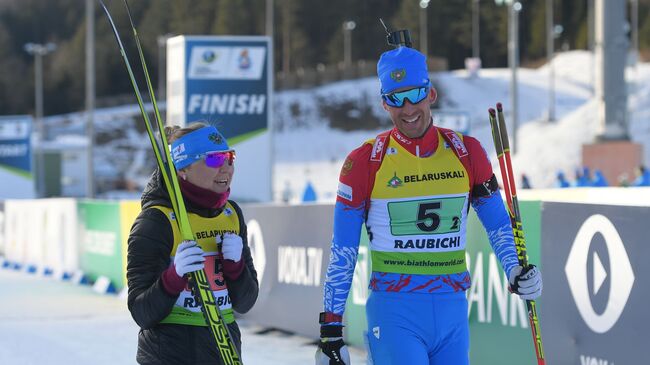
172 327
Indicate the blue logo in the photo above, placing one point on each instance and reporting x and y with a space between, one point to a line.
209 56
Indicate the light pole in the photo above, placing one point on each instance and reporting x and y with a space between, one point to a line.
634 19
550 42
556 31
591 36
38 51
162 65
514 7
476 26
513 58
634 37
90 95
286 38
424 4
269 19
348 27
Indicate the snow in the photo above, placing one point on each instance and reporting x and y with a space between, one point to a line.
308 150
44 321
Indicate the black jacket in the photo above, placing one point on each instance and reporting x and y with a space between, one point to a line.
149 248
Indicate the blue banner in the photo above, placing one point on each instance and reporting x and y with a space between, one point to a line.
227 84
15 150
226 81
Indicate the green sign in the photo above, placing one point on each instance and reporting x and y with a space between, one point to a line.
431 216
499 329
355 309
101 251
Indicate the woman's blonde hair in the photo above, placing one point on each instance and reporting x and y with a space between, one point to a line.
175 132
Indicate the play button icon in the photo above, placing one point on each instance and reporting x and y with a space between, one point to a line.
620 275
599 273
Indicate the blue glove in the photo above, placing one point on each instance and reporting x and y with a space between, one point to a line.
331 348
189 258
527 283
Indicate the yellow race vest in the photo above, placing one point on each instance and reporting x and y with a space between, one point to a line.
418 212
206 230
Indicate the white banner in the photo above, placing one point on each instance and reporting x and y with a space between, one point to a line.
42 234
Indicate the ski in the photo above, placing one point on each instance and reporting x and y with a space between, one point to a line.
502 146
209 308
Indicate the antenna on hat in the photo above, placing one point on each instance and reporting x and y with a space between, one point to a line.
397 38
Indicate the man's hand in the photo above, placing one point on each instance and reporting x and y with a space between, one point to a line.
527 283
331 348
189 258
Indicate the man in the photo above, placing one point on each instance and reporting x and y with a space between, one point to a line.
412 187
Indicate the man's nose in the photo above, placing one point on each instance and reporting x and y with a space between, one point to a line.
408 105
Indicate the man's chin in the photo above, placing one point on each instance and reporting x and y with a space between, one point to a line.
413 132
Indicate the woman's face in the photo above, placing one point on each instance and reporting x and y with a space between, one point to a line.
217 179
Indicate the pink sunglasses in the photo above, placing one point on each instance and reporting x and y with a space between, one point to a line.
217 159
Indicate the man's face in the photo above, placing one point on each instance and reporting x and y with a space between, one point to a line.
412 120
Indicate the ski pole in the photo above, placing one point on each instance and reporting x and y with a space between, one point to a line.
502 146
213 316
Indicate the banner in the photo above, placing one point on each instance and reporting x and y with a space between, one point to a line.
129 210
597 276
16 157
290 247
355 308
227 82
41 234
2 228
101 249
496 317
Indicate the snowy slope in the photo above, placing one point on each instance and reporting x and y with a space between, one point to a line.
308 149
315 153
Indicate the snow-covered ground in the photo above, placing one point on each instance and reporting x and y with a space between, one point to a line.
44 321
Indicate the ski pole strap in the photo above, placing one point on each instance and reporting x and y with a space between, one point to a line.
329 317
331 331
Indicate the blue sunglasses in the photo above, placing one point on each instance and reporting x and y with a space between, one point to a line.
414 96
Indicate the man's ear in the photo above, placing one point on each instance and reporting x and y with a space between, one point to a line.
383 104
433 95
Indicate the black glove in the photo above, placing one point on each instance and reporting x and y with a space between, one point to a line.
331 348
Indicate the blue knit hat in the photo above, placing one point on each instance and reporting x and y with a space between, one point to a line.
402 67
194 145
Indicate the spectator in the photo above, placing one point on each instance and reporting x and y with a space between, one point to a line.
561 180
643 177
623 180
287 193
599 179
583 177
525 182
310 194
